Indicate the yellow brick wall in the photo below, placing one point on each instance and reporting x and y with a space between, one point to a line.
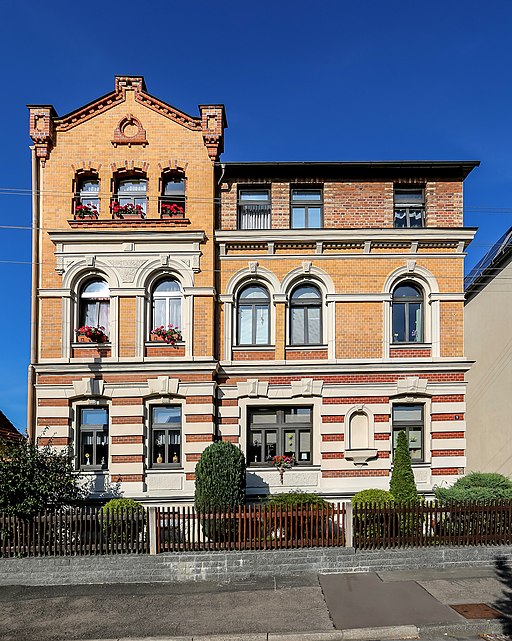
127 326
50 327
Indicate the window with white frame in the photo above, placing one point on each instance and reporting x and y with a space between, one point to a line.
306 316
253 316
166 304
133 191
407 313
94 304
165 436
93 438
306 209
254 209
287 431
88 195
410 419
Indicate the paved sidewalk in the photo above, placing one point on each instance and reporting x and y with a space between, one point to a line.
332 607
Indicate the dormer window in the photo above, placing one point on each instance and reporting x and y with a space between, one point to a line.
409 206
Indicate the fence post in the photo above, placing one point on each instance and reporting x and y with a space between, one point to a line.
152 531
349 525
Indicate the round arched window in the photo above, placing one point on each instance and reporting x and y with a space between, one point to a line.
95 304
253 316
306 316
167 297
407 313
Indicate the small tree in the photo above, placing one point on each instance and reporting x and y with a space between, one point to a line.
220 477
402 485
33 478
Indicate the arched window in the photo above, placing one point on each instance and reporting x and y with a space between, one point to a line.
95 304
407 313
254 316
172 202
306 316
87 197
132 194
167 297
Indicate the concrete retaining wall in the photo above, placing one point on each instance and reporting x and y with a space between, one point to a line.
234 566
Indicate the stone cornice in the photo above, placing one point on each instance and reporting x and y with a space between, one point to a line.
126 236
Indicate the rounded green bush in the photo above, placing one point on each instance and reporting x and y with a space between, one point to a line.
116 505
293 499
477 486
376 497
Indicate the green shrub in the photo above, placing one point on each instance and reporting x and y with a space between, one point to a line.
294 499
477 486
377 497
402 485
116 505
220 477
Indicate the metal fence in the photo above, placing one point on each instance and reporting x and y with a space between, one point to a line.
259 527
75 531
432 524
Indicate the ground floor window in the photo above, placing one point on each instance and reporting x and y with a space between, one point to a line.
166 435
93 438
409 419
274 431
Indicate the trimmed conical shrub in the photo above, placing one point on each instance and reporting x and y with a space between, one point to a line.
402 485
220 477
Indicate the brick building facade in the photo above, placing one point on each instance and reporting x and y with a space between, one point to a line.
320 305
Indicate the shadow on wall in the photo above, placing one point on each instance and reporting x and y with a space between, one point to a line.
504 604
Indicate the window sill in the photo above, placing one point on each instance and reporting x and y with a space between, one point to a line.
93 470
164 468
163 344
254 348
410 345
92 345
302 348
265 467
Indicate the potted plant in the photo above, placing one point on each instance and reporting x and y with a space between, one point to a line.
282 463
172 210
89 334
86 211
127 211
170 334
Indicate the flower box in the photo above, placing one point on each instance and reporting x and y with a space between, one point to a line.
89 334
85 212
170 334
172 211
81 338
127 211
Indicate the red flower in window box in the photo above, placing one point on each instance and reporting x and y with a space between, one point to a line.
282 463
86 211
173 211
89 334
170 334
130 210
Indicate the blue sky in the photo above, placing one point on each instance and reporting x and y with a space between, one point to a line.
330 80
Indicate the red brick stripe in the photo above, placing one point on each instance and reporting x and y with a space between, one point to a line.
353 473
129 439
53 402
445 471
56 440
229 420
229 402
230 438
354 400
332 455
199 418
381 418
382 454
448 398
382 437
447 417
409 353
192 457
133 400
127 458
447 434
128 478
199 438
333 419
193 400
190 476
127 420
58 420
447 452
332 437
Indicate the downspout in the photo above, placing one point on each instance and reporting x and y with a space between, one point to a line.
31 410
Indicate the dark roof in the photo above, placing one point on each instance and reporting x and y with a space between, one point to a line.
7 429
428 169
486 269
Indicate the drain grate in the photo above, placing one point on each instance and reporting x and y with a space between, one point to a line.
477 611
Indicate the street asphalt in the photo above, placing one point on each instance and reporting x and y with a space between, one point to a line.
332 607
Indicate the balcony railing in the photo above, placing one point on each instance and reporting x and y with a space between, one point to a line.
254 217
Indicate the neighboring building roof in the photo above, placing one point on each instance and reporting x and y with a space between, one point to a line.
455 169
486 269
7 429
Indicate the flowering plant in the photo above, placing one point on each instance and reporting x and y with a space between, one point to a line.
172 210
283 462
94 333
126 210
170 334
81 211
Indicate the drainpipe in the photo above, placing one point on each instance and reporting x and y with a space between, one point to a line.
31 413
